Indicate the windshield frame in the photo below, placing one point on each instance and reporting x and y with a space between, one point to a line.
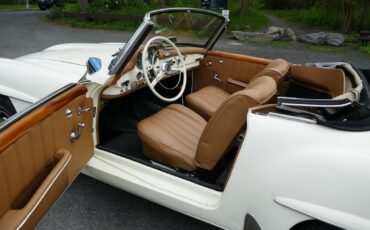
128 50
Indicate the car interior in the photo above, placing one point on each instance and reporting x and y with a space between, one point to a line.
197 136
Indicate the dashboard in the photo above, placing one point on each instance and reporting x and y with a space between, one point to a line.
133 79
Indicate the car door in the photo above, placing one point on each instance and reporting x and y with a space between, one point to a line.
41 152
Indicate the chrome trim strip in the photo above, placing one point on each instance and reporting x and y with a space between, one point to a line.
16 117
317 106
293 118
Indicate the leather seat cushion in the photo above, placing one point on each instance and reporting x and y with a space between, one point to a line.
206 100
171 136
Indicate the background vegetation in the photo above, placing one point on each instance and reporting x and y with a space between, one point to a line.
341 15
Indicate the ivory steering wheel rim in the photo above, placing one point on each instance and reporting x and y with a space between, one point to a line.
159 77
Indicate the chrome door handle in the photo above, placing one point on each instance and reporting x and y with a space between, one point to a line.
216 77
81 110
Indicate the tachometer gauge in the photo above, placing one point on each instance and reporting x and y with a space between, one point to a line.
139 63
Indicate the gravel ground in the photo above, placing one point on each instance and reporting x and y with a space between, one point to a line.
90 204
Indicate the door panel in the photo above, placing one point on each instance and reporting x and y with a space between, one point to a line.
234 70
38 160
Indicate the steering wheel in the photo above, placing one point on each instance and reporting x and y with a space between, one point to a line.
154 73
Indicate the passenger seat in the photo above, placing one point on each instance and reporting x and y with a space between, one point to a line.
206 100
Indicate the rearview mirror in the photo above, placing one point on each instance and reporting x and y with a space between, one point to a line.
93 65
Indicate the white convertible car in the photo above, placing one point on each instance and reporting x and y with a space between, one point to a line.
237 141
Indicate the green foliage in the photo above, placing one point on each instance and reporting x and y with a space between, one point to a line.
353 38
17 7
288 4
364 49
253 21
320 17
342 15
312 17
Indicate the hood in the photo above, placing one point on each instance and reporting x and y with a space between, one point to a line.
75 53
34 76
69 60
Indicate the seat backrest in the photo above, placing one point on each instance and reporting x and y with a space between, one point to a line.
277 69
228 120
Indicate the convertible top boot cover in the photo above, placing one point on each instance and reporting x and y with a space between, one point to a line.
180 138
206 100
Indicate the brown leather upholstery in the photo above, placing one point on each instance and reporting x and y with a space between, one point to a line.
277 69
331 81
206 100
178 137
174 130
38 161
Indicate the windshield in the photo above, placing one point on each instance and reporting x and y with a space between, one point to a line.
189 28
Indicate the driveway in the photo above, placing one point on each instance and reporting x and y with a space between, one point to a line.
90 204
26 32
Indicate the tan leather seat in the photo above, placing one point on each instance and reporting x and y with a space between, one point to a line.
178 137
206 100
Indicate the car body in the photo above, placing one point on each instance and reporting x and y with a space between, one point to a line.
301 162
45 4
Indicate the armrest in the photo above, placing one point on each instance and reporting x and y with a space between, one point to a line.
237 83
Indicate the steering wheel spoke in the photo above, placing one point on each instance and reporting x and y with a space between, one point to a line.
158 78
164 69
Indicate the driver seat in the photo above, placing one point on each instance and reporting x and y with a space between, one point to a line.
180 138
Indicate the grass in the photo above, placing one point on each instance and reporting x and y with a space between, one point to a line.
17 7
364 49
252 22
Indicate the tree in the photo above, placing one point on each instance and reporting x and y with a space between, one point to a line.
365 13
83 4
244 7
347 9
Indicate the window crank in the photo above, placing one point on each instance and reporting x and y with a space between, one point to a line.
81 110
76 135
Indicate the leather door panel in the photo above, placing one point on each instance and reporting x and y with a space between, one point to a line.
229 68
38 160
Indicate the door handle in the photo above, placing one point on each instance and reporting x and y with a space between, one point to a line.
81 110
216 77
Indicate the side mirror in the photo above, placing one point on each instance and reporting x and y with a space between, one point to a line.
93 65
